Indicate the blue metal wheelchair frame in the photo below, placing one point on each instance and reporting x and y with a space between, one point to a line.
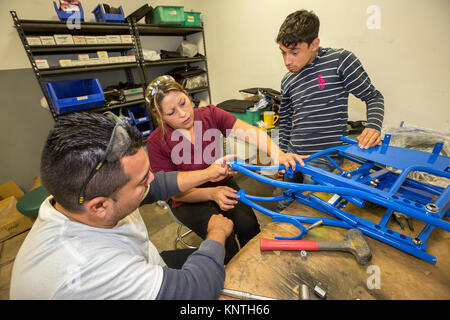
370 182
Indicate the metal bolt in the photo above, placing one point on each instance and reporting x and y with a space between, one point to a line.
303 254
417 241
431 207
315 224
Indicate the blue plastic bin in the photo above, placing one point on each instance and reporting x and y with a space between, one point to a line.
64 15
72 95
140 119
138 114
101 16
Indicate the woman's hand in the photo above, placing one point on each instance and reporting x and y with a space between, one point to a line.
288 160
225 197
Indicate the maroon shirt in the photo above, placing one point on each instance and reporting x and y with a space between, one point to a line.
174 152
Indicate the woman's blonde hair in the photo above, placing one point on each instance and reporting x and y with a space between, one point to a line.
155 92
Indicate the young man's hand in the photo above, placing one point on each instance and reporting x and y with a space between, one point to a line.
219 228
368 138
220 169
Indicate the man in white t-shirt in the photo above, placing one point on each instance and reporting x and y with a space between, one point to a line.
89 240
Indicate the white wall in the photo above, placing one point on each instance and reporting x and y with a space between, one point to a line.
407 59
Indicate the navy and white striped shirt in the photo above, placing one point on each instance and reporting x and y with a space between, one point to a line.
314 102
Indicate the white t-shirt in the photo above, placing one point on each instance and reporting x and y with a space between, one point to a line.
63 259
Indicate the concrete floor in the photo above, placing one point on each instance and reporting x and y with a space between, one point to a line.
161 229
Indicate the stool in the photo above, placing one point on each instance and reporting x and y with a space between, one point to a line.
29 204
180 236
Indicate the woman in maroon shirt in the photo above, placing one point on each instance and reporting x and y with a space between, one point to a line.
189 139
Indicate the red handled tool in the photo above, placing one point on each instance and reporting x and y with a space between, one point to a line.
354 243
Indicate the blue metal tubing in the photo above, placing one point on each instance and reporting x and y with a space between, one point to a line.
331 222
373 196
404 174
348 140
374 233
266 199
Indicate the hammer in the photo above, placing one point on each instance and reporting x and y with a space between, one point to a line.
354 243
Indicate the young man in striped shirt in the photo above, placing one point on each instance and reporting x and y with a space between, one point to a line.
314 93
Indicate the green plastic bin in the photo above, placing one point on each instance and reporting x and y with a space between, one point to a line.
167 15
192 19
251 117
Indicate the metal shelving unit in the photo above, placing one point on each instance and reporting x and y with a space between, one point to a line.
44 27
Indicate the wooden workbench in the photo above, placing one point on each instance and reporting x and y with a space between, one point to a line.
279 274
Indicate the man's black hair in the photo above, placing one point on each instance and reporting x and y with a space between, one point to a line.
300 26
73 147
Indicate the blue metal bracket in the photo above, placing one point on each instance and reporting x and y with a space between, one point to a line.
371 182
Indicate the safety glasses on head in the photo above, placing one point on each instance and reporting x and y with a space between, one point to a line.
119 143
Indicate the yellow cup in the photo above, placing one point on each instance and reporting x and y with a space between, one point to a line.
270 118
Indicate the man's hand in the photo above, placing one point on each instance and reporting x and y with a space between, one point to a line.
220 169
288 160
225 197
368 138
219 228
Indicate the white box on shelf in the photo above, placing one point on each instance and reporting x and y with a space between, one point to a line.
42 63
48 40
34 41
131 58
79 39
114 60
91 39
84 58
102 40
63 39
112 39
102 54
65 63
94 61
126 38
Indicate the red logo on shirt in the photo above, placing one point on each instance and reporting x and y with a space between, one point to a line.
321 82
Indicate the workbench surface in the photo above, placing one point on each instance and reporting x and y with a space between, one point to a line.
390 274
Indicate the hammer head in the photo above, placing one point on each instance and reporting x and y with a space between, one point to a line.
356 244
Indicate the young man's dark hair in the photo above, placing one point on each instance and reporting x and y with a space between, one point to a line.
73 148
299 26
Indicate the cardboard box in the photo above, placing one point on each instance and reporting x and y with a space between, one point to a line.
12 222
10 188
